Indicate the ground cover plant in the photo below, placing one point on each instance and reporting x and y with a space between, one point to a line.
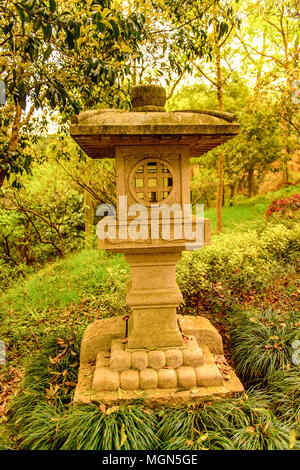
42 416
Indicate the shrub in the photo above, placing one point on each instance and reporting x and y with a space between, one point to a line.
236 265
232 266
285 206
281 243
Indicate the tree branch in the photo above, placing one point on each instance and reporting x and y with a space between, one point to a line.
26 120
206 76
175 84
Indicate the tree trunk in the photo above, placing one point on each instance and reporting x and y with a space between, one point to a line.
285 154
2 177
61 246
223 195
232 192
251 183
285 171
220 193
221 155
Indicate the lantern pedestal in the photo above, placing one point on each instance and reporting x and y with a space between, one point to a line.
112 373
153 296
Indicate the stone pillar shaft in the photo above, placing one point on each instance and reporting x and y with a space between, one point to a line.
153 296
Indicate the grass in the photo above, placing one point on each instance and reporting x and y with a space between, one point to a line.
72 293
247 213
63 283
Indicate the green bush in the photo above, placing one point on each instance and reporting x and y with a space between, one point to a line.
281 242
235 265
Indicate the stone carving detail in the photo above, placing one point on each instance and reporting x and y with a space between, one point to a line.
151 181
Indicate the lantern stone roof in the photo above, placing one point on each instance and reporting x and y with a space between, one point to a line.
99 131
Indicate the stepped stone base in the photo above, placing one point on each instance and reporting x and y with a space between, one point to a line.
111 373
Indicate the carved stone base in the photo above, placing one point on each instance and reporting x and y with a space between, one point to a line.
110 372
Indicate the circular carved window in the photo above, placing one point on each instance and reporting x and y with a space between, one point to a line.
151 182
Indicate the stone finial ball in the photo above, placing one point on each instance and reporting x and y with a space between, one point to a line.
148 96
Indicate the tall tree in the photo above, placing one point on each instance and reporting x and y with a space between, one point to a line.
279 21
64 55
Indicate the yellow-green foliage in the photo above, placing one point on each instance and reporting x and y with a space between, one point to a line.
240 261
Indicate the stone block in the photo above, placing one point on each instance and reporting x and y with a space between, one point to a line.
117 345
129 380
120 360
148 379
208 375
191 342
105 379
167 378
99 335
186 376
139 360
193 357
156 359
204 332
174 358
102 359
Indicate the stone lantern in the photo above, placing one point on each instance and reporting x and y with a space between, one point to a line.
153 353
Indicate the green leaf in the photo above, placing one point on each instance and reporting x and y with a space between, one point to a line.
37 24
52 5
47 53
70 39
116 29
47 31
123 435
292 439
21 14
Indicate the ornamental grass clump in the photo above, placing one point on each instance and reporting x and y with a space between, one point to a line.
263 432
94 427
232 424
262 343
284 389
48 385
